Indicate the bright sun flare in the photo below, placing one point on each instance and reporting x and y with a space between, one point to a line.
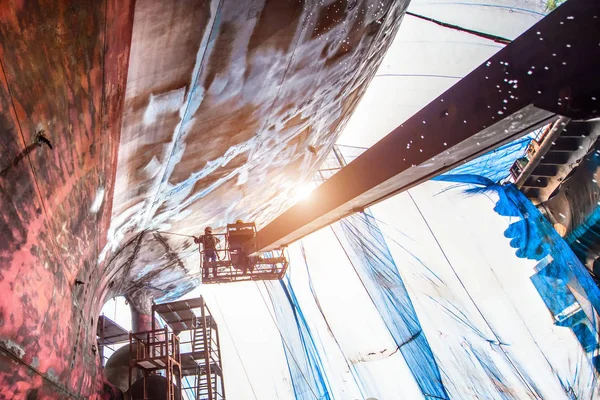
302 192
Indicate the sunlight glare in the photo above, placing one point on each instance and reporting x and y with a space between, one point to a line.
302 192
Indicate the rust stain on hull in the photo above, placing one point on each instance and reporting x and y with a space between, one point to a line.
63 72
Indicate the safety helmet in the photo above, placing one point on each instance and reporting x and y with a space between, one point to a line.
239 221
208 229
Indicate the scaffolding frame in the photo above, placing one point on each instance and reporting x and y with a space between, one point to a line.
108 335
156 350
193 323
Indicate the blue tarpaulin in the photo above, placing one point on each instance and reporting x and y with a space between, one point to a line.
483 346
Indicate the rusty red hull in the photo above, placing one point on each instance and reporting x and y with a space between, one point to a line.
63 73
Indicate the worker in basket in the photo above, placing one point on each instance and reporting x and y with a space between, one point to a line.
209 245
238 240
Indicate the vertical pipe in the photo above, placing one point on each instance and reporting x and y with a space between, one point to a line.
153 316
167 341
178 359
339 156
168 373
201 265
145 385
130 354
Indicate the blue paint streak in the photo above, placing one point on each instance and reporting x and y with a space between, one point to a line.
307 372
366 248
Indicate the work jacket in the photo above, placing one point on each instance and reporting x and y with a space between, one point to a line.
209 242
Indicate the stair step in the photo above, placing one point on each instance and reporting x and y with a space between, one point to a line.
576 130
536 182
555 158
545 170
566 144
531 193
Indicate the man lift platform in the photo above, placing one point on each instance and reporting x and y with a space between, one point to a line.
233 262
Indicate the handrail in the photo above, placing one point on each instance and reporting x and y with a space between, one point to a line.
278 259
155 344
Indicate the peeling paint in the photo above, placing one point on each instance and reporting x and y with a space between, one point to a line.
12 347
259 88
97 201
163 103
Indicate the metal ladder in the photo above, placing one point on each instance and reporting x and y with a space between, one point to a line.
198 336
170 385
201 343
202 383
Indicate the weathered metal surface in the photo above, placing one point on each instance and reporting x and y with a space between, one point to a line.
223 100
573 207
140 303
56 77
550 69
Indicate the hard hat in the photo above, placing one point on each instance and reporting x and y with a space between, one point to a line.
208 229
239 221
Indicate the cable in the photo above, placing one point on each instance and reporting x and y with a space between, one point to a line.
352 147
283 339
235 347
419 76
386 224
489 36
176 234
509 8
351 370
